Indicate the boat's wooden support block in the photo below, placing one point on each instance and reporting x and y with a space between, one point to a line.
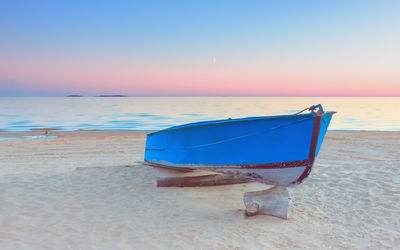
202 180
274 201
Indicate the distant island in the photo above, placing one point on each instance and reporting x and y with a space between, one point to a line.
111 96
99 96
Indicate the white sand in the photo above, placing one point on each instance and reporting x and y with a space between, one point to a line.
74 192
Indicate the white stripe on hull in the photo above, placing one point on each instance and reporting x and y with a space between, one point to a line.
271 176
274 176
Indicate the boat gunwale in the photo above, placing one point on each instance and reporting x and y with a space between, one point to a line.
244 119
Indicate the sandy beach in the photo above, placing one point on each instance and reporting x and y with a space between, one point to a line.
90 190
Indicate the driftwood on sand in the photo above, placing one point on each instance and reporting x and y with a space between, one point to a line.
274 201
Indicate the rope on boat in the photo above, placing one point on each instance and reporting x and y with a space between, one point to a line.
312 108
251 134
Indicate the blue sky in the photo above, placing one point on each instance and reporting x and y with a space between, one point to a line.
53 48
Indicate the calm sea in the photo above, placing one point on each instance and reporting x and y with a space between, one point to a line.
154 113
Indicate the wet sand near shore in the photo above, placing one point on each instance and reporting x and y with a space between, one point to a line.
90 190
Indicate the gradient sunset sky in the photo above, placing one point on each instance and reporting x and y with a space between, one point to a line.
200 48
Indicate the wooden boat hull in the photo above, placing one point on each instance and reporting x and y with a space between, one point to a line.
277 150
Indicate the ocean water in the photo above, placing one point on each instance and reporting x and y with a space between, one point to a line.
155 113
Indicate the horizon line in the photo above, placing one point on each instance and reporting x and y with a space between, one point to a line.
122 96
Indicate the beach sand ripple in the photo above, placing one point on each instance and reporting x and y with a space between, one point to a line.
92 192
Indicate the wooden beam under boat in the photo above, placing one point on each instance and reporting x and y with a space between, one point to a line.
199 181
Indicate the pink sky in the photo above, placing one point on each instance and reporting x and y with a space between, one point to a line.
212 79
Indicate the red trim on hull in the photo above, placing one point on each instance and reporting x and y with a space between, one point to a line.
313 148
288 164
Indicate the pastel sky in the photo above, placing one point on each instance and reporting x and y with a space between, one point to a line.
200 48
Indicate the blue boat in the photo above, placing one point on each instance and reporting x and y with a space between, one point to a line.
276 150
